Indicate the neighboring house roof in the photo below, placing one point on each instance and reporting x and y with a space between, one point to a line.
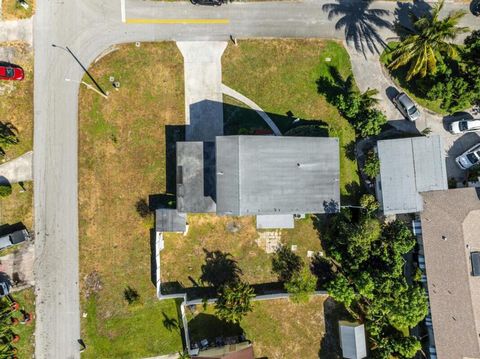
277 175
233 351
450 233
196 177
352 340
170 220
409 166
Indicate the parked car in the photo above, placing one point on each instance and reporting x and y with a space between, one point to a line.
475 7
406 106
208 2
4 288
14 238
465 125
11 73
469 158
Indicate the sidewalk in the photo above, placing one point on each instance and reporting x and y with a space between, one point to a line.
17 170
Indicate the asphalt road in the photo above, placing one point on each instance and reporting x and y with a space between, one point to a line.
89 27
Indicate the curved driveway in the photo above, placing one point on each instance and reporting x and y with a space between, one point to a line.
88 27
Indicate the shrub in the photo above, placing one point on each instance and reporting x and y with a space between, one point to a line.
131 295
5 190
234 302
370 122
372 165
369 203
142 208
301 285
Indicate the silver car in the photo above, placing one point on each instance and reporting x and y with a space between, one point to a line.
464 125
405 105
469 158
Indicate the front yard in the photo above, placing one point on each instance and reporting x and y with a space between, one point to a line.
121 161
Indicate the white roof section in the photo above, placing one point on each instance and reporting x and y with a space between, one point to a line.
352 340
275 221
409 166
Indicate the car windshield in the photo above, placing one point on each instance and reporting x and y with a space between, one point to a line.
9 72
474 157
412 110
463 125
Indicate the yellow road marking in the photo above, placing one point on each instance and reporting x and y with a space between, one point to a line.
178 21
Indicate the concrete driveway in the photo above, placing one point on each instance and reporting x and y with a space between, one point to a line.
17 266
17 170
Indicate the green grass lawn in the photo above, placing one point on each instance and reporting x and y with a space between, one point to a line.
210 233
278 329
26 300
400 77
281 77
122 151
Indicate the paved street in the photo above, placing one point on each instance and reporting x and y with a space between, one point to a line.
89 27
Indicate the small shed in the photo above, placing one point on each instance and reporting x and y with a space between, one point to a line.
170 220
352 340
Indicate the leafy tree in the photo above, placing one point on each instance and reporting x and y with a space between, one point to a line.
427 41
409 308
341 291
400 236
5 190
407 347
471 53
301 285
372 165
365 285
285 263
370 122
234 301
369 204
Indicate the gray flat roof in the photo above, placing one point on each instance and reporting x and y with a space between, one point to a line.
269 221
277 175
352 340
409 166
195 177
170 220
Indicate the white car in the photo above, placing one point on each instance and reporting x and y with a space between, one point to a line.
469 158
464 126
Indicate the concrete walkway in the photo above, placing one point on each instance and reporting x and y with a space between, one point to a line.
18 266
203 89
239 97
18 169
17 30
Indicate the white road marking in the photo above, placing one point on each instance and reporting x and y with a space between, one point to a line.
122 9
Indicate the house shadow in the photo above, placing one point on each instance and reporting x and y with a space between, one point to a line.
210 327
402 14
360 23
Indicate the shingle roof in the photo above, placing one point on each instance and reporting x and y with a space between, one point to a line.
277 175
450 232
409 166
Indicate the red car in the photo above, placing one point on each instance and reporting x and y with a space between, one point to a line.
11 73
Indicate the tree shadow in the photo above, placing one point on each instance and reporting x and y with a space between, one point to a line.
322 268
332 86
360 23
219 268
8 136
330 344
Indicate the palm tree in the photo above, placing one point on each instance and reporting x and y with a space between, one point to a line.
428 39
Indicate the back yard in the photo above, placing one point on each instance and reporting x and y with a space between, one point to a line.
212 242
